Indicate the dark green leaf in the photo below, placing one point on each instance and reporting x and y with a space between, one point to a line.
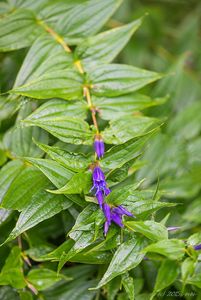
44 278
126 257
11 273
167 274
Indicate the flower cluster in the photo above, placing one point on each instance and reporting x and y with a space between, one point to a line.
101 190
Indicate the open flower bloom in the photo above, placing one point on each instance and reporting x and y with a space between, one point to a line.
99 146
114 214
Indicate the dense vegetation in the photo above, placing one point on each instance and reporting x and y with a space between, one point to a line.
78 221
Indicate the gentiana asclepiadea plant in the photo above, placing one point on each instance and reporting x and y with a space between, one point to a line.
75 217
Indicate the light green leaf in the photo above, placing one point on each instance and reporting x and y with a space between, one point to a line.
57 174
116 107
66 84
79 183
167 274
187 269
128 284
18 30
115 79
152 230
73 161
59 108
124 129
195 280
86 18
44 278
105 46
173 249
126 257
45 56
118 155
67 129
7 174
11 273
23 187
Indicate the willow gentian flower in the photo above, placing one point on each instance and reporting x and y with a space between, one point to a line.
99 146
114 214
197 247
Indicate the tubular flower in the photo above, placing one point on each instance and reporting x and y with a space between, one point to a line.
197 247
99 183
114 214
99 146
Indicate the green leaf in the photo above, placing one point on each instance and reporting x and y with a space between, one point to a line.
58 108
167 274
7 108
105 46
79 183
116 107
11 273
44 278
128 284
73 161
67 129
124 129
7 174
187 269
173 249
45 56
56 173
23 187
18 30
195 280
86 18
150 229
126 257
118 155
42 206
115 79
66 84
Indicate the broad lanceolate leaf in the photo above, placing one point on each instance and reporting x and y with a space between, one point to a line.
23 187
59 108
105 46
128 284
126 257
116 107
86 18
67 129
44 278
11 273
7 174
79 183
115 79
150 229
74 161
118 155
46 55
18 30
42 206
167 274
173 249
124 129
66 84
56 173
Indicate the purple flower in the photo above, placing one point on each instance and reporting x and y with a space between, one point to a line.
114 214
197 247
99 183
99 146
173 228
100 198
